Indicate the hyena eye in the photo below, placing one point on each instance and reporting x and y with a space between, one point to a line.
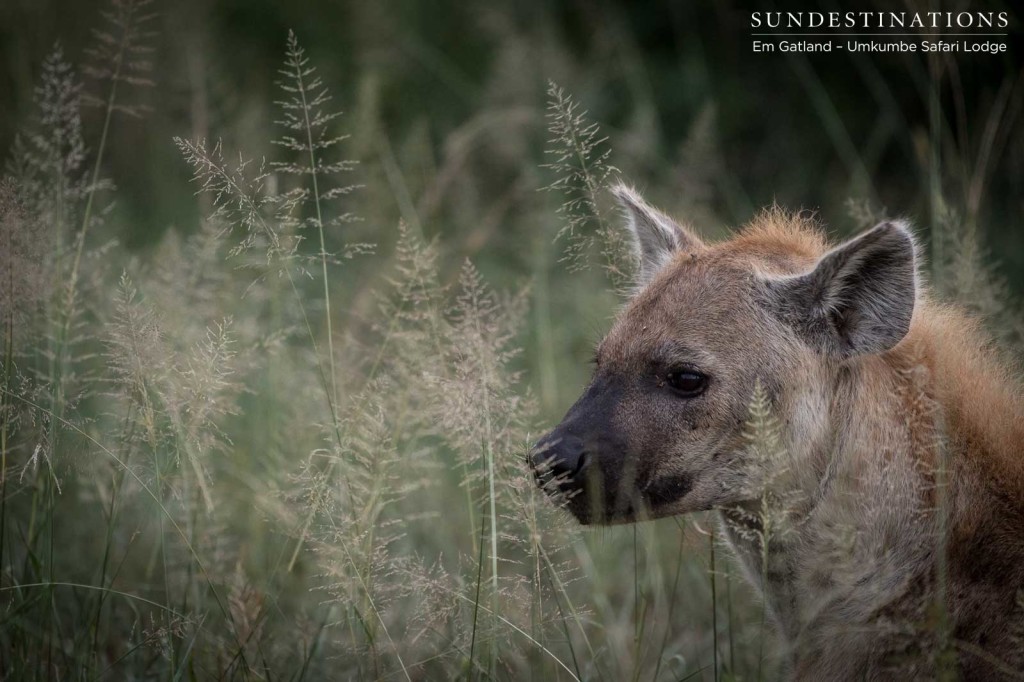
687 382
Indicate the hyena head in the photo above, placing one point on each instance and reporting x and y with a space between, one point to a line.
661 429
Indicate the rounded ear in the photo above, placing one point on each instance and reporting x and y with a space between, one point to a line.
656 237
860 296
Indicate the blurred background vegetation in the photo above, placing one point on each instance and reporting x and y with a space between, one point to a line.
445 109
452 96
695 118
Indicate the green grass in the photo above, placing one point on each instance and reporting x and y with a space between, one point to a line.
260 448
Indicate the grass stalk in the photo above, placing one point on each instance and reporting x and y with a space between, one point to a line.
671 601
300 83
476 604
166 514
714 602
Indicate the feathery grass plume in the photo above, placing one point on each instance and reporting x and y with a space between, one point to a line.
768 477
487 421
239 198
433 627
348 489
773 501
203 391
46 161
46 165
363 495
483 417
307 132
136 357
246 602
967 276
186 280
120 56
175 396
580 163
478 406
116 57
274 220
44 195
542 572
307 124
181 394
241 203
25 280
409 325
416 300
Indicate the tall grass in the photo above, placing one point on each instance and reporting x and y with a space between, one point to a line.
267 449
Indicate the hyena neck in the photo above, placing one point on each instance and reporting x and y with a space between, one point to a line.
820 542
980 403
868 444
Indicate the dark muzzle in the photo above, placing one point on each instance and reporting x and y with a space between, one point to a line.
578 463
559 463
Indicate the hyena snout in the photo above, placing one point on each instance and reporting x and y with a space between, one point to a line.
559 461
573 461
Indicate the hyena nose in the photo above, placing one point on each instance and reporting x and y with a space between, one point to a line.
559 459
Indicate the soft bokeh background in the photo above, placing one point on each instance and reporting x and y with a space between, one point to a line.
444 104
695 117
452 96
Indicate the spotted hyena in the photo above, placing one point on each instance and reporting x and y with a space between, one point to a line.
861 443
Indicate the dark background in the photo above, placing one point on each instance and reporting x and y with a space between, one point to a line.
804 130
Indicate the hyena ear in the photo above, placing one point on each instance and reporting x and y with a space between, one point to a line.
656 237
860 296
